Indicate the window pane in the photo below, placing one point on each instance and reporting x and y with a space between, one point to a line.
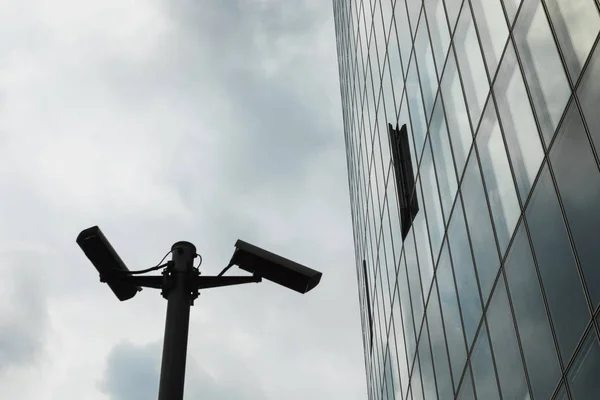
396 71
576 23
557 266
534 329
438 29
431 197
451 314
399 313
442 154
498 178
394 360
583 376
589 96
464 272
426 361
543 69
438 346
492 28
452 8
415 104
520 130
483 368
403 31
505 346
415 310
562 393
423 250
470 62
480 227
429 82
456 114
511 7
578 182
466 388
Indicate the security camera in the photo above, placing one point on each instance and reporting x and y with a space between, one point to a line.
274 268
108 263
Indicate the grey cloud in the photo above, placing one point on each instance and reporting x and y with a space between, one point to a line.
23 314
133 372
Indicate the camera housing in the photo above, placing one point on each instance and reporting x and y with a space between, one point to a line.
108 263
274 268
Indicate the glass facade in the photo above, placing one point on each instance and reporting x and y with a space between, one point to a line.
495 291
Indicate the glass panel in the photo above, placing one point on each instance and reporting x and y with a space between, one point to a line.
442 154
534 329
483 368
578 181
511 7
466 388
456 114
543 69
400 315
452 8
557 266
589 96
414 7
480 227
423 247
403 30
426 361
438 30
404 119
505 346
464 272
394 360
396 72
498 178
415 382
451 314
576 23
415 104
470 62
562 393
493 32
394 219
429 82
435 222
415 304
583 376
520 130
438 346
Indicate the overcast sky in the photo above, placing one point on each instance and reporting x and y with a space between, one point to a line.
161 121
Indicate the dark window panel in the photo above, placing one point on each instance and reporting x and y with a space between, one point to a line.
505 346
464 272
482 365
405 179
451 314
560 279
589 96
578 181
438 346
562 393
583 374
530 313
480 226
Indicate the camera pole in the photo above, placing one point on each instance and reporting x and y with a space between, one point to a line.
179 296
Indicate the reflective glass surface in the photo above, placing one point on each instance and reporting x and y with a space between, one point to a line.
491 294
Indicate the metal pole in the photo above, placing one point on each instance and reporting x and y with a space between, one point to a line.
172 372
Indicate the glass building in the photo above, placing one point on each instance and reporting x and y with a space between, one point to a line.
489 287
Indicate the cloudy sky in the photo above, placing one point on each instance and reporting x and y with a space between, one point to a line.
161 121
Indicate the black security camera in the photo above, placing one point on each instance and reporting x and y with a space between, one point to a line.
274 268
108 263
